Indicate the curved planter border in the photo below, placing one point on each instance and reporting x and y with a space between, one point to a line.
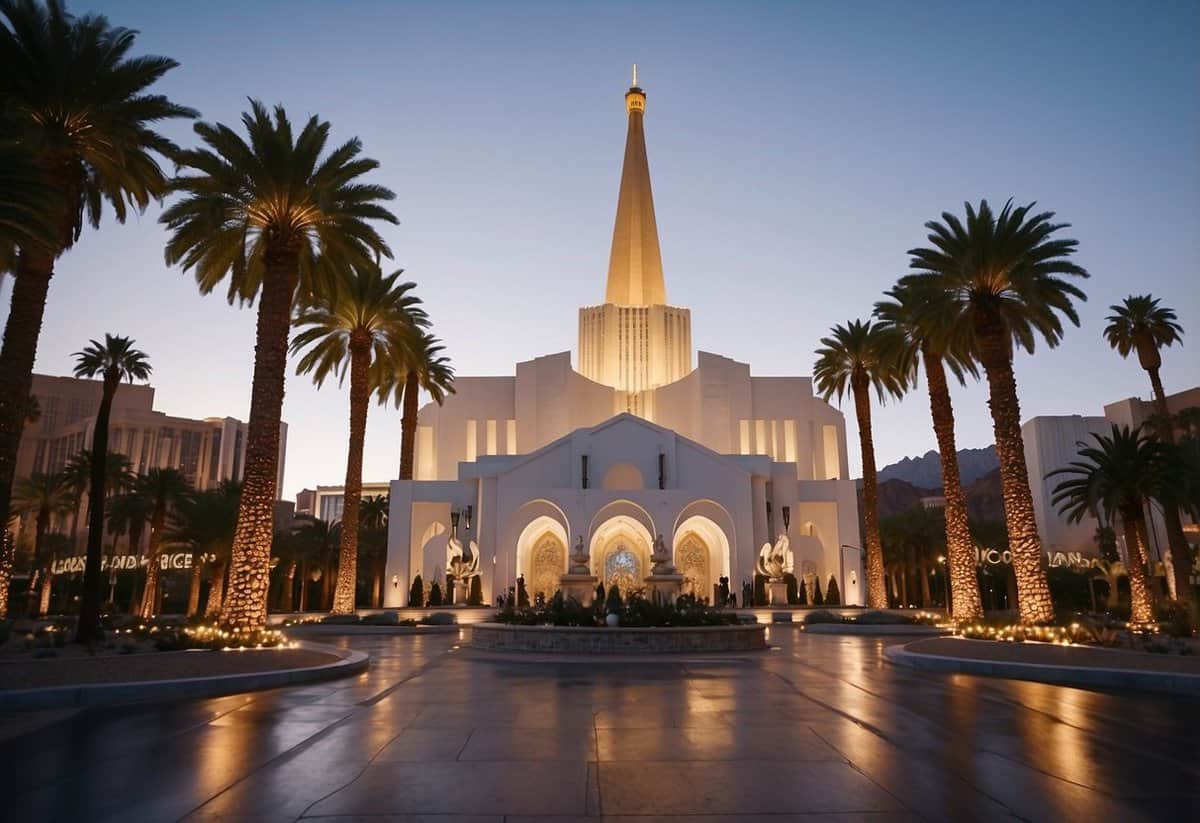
1083 676
499 637
147 691
892 630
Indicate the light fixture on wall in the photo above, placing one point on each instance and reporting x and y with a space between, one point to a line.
395 581
787 517
467 517
454 523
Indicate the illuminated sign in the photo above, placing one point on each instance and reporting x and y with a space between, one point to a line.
1003 557
123 562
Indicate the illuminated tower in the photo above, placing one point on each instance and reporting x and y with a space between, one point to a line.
635 341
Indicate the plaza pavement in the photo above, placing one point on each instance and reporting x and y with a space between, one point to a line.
819 728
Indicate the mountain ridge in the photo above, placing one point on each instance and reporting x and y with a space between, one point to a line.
925 471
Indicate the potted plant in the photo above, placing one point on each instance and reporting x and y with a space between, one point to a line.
612 606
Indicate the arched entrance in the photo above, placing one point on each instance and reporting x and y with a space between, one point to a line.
620 553
548 558
701 549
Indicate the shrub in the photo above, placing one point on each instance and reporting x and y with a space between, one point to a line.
612 603
522 593
435 595
416 595
381 619
340 620
439 618
600 592
821 616
475 598
816 593
793 595
1069 589
1175 619
801 593
877 618
760 590
833 595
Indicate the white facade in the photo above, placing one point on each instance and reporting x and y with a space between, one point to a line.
644 445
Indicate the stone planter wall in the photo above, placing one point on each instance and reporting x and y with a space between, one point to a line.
579 640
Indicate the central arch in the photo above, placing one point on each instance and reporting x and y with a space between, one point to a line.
620 552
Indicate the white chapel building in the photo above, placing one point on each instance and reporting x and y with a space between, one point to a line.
638 440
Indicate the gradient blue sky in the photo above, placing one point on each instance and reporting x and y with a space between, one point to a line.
796 150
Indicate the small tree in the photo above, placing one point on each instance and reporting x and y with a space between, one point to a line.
833 595
801 593
600 592
416 595
522 593
793 595
435 595
760 590
612 603
475 598
817 599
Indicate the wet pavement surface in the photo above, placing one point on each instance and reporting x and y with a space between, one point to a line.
819 728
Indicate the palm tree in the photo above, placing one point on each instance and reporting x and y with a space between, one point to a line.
1118 476
270 214
115 360
80 105
368 318
316 543
863 355
163 489
26 201
914 314
45 497
422 367
1005 277
119 477
204 523
1139 324
373 518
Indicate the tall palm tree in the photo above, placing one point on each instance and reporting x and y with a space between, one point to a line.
862 356
204 523
114 360
272 215
1139 324
81 105
422 367
163 489
368 318
45 497
1116 477
315 546
1005 276
128 514
941 345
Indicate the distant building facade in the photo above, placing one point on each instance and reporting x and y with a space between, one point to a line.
1052 442
326 502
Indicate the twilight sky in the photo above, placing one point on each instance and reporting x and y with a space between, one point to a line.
796 150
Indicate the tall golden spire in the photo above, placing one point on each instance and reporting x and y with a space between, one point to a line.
635 276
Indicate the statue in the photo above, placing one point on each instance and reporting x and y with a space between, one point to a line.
579 558
660 558
462 565
776 561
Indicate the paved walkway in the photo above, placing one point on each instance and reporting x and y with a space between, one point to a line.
821 728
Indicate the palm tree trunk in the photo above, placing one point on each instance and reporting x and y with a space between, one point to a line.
876 587
193 604
245 607
89 609
1033 592
304 586
216 589
7 556
289 584
1181 556
960 547
30 287
47 588
1140 602
360 396
926 596
408 425
150 597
